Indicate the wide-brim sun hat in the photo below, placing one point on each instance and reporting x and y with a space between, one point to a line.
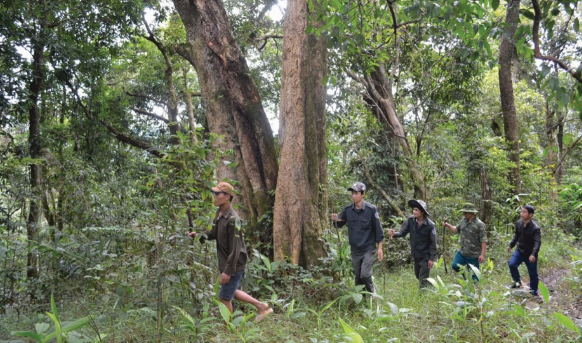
469 208
418 204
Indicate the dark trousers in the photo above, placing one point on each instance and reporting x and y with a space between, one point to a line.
462 261
422 271
363 269
532 268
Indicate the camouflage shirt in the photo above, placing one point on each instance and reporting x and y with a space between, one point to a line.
473 234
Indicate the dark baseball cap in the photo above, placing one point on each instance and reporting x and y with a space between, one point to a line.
357 187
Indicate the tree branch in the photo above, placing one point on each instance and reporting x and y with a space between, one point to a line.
152 115
145 96
536 41
122 137
570 148
265 39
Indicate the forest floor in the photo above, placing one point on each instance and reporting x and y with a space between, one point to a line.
491 312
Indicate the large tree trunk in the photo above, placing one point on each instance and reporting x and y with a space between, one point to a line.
233 106
301 196
506 58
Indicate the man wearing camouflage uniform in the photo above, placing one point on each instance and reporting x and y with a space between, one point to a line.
473 239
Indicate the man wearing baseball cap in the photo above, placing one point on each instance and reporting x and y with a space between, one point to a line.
423 240
473 239
364 230
231 250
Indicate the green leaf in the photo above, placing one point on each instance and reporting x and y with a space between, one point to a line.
79 323
54 306
224 311
351 333
476 271
393 308
35 336
544 292
494 4
555 11
328 305
554 84
576 25
567 322
545 71
528 14
41 327
519 310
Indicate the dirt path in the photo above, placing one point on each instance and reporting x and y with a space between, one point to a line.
563 297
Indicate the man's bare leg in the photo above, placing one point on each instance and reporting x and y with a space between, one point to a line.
262 308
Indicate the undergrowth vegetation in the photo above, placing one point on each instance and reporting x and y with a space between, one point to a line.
134 297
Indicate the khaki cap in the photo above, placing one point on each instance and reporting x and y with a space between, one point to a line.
224 187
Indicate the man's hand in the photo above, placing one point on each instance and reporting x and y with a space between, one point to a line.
224 278
192 234
532 258
509 249
380 254
334 217
481 258
430 264
391 233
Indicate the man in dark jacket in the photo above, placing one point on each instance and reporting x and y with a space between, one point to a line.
528 238
423 240
365 231
231 250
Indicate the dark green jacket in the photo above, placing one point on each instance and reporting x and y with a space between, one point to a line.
230 243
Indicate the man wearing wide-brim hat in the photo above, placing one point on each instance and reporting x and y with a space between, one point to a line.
423 240
473 239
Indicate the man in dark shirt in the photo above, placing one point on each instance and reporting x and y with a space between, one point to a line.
423 240
364 231
231 250
528 238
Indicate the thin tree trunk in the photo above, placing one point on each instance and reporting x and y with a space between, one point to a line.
189 107
233 106
301 187
506 59
552 158
486 202
34 146
392 122
559 173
